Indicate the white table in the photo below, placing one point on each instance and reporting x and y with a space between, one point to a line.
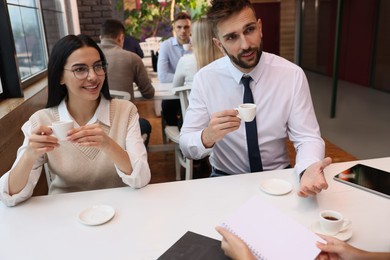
162 91
148 221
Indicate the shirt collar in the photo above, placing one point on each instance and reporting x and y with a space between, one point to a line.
255 73
109 42
174 41
102 113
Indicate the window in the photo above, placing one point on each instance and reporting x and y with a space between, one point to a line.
27 30
32 27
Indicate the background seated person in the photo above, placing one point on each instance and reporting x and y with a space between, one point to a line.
125 68
132 44
105 148
171 50
204 52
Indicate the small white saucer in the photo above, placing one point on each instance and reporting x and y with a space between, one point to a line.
96 215
275 186
344 235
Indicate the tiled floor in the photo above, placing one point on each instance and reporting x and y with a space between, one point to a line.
362 123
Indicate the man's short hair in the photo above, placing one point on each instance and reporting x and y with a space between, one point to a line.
111 28
182 16
220 10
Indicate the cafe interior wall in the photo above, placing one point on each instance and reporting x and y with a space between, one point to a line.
92 14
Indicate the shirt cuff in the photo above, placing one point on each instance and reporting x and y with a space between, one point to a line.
24 194
139 178
203 150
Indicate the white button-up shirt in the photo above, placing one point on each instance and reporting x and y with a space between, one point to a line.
284 110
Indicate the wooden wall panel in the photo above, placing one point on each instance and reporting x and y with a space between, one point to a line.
287 29
12 136
269 13
287 26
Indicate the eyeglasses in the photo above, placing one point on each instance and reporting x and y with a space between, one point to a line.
82 71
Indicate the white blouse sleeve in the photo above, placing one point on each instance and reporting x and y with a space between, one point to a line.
32 180
136 150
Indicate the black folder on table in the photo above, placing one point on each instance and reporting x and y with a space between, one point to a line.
192 246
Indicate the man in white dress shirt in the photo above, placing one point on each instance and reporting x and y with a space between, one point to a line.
280 92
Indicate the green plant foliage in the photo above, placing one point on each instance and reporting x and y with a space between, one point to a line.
153 18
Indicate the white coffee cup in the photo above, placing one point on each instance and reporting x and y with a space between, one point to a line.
187 47
247 111
333 222
61 128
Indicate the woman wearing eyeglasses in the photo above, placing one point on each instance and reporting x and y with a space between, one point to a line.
104 150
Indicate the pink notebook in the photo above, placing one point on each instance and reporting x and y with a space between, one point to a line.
270 233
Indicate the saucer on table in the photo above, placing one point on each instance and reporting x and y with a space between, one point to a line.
275 186
343 235
96 215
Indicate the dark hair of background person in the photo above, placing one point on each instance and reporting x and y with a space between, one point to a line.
58 58
112 28
221 10
182 16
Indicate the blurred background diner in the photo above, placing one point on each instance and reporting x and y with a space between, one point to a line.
125 68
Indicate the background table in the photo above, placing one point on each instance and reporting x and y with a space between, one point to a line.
148 221
162 91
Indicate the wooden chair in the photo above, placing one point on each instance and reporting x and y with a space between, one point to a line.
150 44
173 134
48 174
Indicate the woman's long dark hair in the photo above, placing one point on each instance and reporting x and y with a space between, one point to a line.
58 57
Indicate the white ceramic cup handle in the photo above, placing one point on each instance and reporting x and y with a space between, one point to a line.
346 224
238 114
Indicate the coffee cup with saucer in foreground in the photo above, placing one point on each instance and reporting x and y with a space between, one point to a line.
332 223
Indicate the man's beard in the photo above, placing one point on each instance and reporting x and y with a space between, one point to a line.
242 64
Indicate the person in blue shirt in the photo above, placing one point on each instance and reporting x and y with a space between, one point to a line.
172 49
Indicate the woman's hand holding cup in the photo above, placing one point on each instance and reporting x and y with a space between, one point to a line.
61 128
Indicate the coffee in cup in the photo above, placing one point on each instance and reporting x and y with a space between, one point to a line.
333 222
247 111
61 128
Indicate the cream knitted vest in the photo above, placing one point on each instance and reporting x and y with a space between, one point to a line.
77 168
